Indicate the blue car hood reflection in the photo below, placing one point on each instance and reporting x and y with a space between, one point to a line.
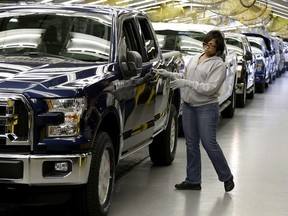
46 78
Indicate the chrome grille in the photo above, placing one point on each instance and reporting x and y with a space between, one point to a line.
14 121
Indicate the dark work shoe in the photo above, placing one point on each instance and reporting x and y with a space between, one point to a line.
229 184
187 186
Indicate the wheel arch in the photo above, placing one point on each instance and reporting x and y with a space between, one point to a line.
111 124
109 120
176 99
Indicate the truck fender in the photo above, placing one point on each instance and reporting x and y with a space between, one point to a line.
106 115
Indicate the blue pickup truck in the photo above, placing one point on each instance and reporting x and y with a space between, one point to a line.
77 94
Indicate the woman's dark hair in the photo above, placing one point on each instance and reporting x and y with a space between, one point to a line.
218 35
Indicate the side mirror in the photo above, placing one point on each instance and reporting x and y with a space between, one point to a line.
134 61
248 56
133 64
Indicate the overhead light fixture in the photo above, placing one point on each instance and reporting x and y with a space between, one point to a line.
122 2
152 4
186 4
46 1
72 1
140 2
97 2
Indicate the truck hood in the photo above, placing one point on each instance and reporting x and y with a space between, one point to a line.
47 75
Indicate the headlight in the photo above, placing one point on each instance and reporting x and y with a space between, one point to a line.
72 109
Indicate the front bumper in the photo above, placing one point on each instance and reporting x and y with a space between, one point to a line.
260 78
38 170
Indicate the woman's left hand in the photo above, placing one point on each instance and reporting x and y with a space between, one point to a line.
179 83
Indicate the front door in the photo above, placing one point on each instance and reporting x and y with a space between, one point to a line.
139 92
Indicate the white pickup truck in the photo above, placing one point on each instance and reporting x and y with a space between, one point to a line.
188 39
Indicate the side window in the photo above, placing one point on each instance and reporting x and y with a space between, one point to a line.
11 24
149 40
79 25
130 41
131 37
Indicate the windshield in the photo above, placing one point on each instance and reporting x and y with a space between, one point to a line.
189 43
254 44
65 35
234 42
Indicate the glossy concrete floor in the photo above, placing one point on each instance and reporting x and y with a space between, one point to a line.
255 143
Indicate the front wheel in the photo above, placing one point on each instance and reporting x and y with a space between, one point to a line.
260 87
251 94
94 198
163 148
270 78
230 110
241 98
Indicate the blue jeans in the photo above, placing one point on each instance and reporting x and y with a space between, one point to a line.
200 123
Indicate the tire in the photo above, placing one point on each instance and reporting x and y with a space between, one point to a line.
266 83
252 93
270 79
94 198
277 74
163 148
230 110
260 87
241 98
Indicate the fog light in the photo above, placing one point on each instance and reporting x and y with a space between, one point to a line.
56 168
61 166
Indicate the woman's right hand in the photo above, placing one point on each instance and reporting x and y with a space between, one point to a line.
163 73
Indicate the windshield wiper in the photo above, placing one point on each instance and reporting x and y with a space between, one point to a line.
43 54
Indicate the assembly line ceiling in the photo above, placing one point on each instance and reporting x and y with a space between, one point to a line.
271 14
279 7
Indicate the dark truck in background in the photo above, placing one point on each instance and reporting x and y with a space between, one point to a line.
77 95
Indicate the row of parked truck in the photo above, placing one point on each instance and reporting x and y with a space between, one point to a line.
253 61
262 59
78 94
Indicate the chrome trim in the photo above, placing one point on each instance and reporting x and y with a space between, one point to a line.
32 165
137 148
8 100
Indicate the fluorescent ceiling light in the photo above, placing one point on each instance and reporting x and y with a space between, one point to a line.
72 1
97 2
152 4
184 4
121 2
140 2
